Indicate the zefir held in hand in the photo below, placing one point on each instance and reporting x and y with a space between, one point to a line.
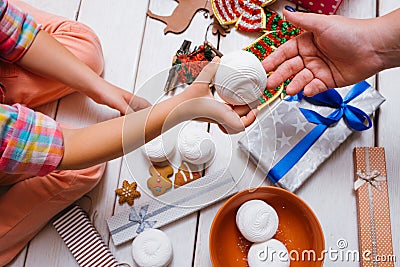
240 78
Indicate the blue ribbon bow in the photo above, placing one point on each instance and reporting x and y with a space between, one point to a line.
355 119
141 219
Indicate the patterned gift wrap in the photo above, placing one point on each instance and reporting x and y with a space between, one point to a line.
304 142
82 239
278 31
373 211
328 7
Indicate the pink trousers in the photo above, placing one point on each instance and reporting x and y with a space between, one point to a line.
30 202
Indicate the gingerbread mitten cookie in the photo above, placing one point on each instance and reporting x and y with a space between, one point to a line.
185 175
159 181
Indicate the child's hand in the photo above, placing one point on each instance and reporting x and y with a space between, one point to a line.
201 103
127 133
117 98
76 74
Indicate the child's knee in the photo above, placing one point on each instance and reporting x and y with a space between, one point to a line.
81 181
88 178
84 43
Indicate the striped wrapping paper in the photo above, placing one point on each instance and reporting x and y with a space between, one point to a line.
82 239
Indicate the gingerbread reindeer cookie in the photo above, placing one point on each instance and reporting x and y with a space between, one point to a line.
185 175
159 181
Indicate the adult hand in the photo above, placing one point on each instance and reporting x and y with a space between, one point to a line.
333 52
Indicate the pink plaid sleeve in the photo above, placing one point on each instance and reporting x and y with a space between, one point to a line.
17 32
30 141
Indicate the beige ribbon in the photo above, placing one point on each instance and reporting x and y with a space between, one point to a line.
372 178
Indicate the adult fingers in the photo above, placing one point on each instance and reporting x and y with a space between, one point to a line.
310 22
285 71
314 87
299 81
285 52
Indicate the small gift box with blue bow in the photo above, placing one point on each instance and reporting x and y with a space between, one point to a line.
292 139
157 212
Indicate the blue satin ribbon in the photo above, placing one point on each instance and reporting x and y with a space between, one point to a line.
355 119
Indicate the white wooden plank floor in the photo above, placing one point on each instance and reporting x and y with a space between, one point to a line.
135 49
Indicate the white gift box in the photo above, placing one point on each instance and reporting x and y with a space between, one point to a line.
170 207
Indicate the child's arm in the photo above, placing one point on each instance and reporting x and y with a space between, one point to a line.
48 58
104 141
22 42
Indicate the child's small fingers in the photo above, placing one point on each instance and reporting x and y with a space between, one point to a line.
241 110
237 126
249 118
208 71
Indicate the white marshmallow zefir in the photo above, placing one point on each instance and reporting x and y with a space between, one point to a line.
271 253
240 78
196 146
257 221
152 248
159 149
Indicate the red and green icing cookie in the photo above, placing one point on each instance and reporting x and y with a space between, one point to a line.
278 32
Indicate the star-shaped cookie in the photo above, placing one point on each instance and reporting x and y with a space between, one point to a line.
127 193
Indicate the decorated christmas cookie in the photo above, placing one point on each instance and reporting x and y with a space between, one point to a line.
127 193
159 181
248 15
185 175
278 31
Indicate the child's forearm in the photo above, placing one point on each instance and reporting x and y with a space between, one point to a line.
48 58
108 140
111 139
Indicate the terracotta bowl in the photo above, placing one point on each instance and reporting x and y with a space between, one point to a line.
298 229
